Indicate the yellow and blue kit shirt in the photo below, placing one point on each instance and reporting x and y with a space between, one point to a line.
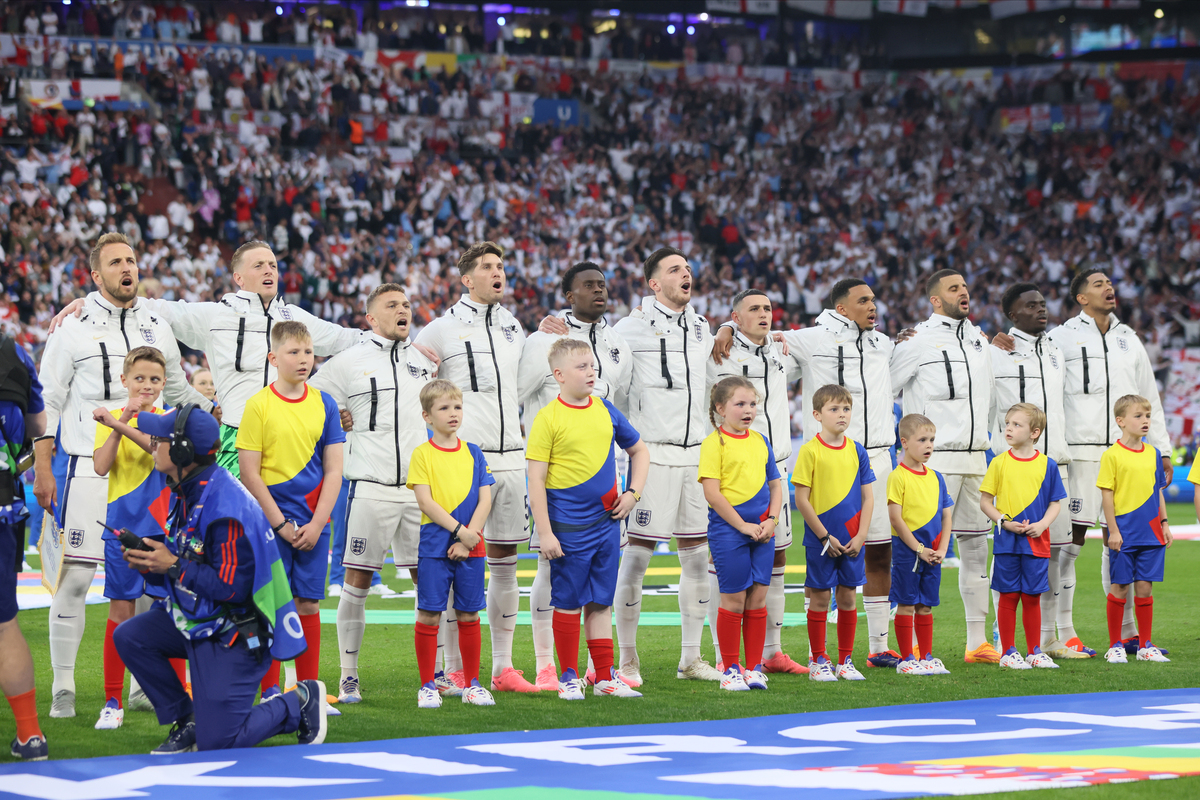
745 466
922 498
836 476
292 436
1135 477
581 479
1023 489
138 497
454 477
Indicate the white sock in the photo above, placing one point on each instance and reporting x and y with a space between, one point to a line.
450 652
714 590
878 609
775 606
351 626
1050 598
289 675
627 602
1066 593
973 586
503 603
807 604
543 621
693 600
67 618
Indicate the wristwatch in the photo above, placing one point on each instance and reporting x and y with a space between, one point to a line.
454 534
637 496
774 519
175 570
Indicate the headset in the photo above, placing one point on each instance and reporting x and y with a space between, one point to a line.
183 450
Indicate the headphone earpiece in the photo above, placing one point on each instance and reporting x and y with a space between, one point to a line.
183 451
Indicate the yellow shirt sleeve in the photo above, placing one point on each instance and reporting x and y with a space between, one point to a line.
806 463
993 478
418 468
250 431
710 459
1107 479
103 431
1194 473
540 443
895 488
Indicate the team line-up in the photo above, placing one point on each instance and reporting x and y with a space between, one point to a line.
428 431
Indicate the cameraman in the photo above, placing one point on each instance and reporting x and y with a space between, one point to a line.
224 611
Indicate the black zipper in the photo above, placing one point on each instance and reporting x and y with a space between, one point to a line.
687 366
767 395
970 387
1107 390
1021 383
471 368
1083 352
595 355
949 372
125 335
267 363
841 368
241 341
496 366
862 376
1037 349
107 370
374 404
666 370
396 410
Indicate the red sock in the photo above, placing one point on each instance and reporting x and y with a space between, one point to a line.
180 667
924 625
1143 607
1031 620
847 624
904 634
114 667
566 640
1116 612
308 663
816 633
601 651
729 633
24 708
272 677
754 632
469 644
1006 617
426 645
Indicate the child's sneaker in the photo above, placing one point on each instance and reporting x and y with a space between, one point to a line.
1040 660
732 680
570 686
111 716
781 662
755 678
1077 649
615 687
934 666
1116 655
476 695
1012 660
1133 646
888 658
428 697
848 672
821 670
547 678
1151 653
911 666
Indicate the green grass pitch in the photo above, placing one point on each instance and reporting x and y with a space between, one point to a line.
389 677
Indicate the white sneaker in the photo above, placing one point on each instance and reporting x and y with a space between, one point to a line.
934 666
821 670
732 680
111 717
849 672
570 686
1116 655
334 590
614 688
63 704
1041 661
349 692
476 695
138 701
631 675
911 666
698 670
756 678
445 686
428 697
1012 660
1151 653
383 590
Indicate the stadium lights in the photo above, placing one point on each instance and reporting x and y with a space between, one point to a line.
501 21
691 30
279 11
1158 13
614 12
66 2
704 17
670 30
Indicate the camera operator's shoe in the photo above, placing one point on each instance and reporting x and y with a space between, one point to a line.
314 723
181 739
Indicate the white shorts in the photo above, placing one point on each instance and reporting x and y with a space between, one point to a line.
1060 529
969 519
1083 494
880 531
84 504
783 530
378 518
508 523
672 505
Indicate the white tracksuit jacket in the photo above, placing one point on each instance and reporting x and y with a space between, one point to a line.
379 381
614 365
1099 370
480 350
668 395
1032 373
770 371
83 360
945 372
235 335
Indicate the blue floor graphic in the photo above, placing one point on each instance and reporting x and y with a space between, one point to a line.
955 748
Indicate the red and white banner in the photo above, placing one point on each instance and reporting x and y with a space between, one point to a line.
842 9
760 7
514 107
50 94
1010 8
910 8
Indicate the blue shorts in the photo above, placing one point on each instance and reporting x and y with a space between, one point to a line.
1137 563
739 560
826 572
1019 572
8 572
910 588
306 571
437 575
121 581
587 570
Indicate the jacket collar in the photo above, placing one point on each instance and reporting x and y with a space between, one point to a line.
941 322
384 343
191 486
840 325
254 302
1086 320
467 310
98 299
741 341
651 306
568 316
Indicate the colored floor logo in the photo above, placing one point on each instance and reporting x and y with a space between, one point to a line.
981 746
